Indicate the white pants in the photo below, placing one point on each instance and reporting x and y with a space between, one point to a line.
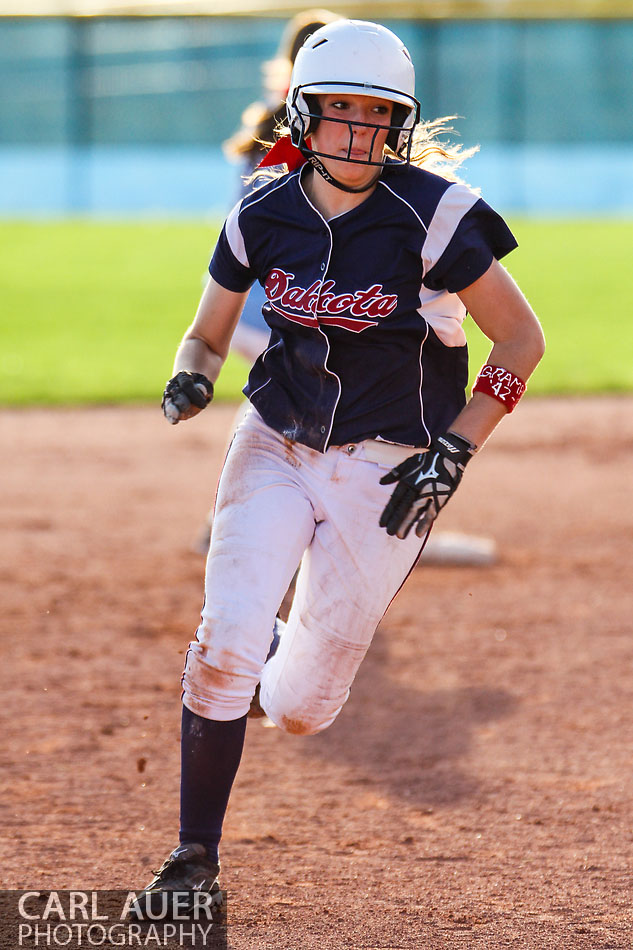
280 503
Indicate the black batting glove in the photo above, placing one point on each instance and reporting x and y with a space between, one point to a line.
186 394
425 483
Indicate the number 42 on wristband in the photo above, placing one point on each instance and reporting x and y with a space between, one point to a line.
501 384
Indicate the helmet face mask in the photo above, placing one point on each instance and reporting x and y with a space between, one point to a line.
353 57
307 117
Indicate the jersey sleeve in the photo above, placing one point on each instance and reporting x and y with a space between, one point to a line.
468 247
230 265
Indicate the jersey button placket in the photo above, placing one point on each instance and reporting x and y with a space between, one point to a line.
322 267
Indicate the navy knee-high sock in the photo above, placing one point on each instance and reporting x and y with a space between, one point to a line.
210 756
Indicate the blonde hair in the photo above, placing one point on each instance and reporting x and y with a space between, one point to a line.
432 153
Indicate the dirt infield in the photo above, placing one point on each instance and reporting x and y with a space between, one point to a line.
475 791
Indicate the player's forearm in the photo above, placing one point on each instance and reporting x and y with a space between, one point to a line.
478 419
206 343
502 312
483 412
196 356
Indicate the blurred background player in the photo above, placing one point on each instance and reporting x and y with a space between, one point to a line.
246 148
249 145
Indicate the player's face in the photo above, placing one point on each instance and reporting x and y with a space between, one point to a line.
333 138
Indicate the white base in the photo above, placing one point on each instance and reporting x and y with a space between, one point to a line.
461 550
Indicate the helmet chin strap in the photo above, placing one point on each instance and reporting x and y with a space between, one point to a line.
318 165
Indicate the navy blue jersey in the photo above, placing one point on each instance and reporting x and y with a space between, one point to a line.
366 326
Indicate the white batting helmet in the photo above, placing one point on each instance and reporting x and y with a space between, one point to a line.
353 56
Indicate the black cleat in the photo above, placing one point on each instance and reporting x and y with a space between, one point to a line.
187 881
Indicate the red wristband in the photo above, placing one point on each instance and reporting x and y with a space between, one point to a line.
501 384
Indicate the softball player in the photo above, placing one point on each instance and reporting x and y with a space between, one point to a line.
369 262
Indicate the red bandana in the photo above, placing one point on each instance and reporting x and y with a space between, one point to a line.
284 152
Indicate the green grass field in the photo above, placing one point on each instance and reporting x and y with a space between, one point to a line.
92 311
